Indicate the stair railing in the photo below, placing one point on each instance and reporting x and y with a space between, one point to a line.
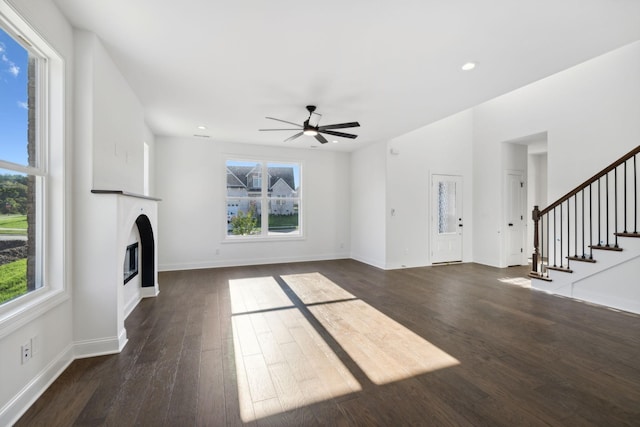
591 216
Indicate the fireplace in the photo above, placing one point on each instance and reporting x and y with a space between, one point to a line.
130 265
124 219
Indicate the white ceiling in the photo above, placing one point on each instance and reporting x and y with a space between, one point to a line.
393 66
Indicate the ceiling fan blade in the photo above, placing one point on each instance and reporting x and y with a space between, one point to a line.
340 126
283 121
314 119
321 138
342 134
277 129
293 137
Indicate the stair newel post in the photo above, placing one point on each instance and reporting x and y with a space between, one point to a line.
535 215
606 182
583 224
575 226
625 196
590 222
615 207
635 197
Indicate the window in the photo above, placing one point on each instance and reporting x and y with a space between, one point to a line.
258 207
22 172
32 176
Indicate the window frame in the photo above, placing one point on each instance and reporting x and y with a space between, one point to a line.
264 199
51 229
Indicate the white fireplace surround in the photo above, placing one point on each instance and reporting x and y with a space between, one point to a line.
104 307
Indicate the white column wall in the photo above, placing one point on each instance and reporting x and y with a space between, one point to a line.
368 204
110 130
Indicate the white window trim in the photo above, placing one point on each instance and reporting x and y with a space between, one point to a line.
50 139
264 237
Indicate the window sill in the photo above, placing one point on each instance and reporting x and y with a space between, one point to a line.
262 239
17 313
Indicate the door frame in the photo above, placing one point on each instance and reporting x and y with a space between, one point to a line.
432 219
523 208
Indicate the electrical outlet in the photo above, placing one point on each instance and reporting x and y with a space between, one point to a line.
25 350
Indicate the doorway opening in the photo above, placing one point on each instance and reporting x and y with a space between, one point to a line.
524 162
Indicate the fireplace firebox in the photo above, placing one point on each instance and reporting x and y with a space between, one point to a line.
131 262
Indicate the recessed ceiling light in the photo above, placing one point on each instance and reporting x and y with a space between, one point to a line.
334 141
469 66
201 127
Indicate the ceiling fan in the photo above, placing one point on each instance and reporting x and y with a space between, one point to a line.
310 127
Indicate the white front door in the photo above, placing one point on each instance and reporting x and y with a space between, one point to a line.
514 218
446 218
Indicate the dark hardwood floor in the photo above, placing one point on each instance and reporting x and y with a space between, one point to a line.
458 345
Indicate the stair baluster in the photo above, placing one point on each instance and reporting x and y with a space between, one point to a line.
543 235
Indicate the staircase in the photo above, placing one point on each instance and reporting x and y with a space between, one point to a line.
587 243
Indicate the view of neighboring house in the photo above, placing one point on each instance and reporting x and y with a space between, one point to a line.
245 182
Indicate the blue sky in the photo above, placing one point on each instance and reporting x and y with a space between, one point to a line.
13 100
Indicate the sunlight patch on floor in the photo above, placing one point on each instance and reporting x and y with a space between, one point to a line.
523 282
314 288
282 363
385 350
256 294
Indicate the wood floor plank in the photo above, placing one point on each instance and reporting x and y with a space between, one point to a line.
291 345
211 396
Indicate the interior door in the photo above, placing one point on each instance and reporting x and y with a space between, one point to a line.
446 218
514 217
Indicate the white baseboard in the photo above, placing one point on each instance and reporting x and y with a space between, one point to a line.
369 261
149 291
130 305
245 262
100 347
17 406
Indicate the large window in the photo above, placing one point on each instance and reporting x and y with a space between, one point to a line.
262 199
22 171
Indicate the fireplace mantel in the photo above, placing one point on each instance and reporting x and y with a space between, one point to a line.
126 193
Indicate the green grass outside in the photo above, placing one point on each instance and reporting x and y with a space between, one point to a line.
13 224
283 221
13 280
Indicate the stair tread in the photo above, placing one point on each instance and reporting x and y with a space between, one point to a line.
565 269
628 234
581 259
606 248
539 276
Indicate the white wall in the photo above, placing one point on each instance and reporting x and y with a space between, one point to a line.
368 204
119 130
111 132
51 324
590 113
192 186
444 148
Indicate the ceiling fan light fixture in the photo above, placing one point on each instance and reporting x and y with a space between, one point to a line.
310 127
